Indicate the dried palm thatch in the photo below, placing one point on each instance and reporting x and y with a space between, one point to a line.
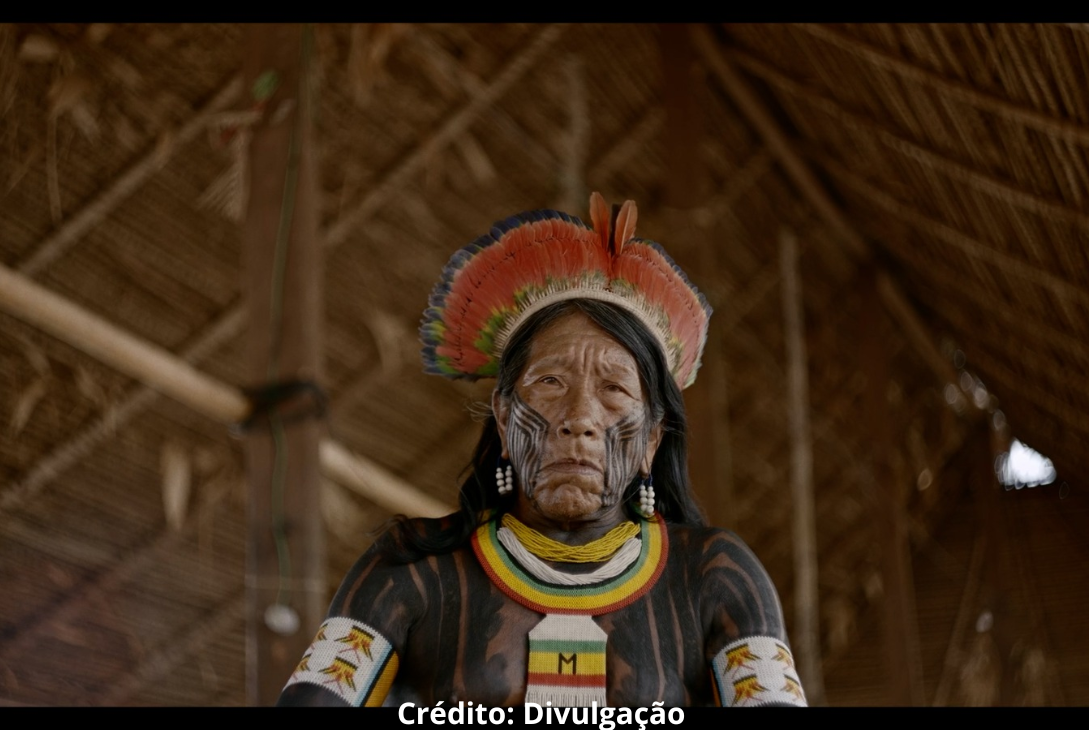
947 166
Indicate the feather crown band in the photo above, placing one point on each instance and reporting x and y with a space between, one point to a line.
540 257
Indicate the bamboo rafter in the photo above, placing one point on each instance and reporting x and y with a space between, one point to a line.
1004 191
1030 117
229 324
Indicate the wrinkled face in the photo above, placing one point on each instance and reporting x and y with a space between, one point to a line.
577 428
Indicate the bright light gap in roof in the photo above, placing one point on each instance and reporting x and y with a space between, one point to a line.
1023 466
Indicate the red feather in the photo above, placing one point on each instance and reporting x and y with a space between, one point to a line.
599 215
625 225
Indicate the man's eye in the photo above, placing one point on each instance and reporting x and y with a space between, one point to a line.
550 380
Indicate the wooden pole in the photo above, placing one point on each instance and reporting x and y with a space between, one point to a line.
891 296
687 187
902 653
230 322
806 634
168 374
1005 617
23 298
285 557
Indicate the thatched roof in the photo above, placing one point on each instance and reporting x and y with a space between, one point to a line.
947 163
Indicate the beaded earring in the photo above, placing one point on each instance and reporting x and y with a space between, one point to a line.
504 477
646 496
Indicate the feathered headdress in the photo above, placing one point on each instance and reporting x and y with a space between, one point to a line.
537 258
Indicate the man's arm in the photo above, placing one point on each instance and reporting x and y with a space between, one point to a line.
355 655
746 641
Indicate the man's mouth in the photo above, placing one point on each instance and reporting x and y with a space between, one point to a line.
574 466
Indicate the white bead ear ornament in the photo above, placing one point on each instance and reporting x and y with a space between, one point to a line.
646 497
504 477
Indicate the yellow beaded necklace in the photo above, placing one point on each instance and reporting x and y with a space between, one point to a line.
546 548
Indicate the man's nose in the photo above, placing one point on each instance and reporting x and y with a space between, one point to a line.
578 416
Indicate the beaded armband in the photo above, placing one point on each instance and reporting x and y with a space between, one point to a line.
757 670
350 659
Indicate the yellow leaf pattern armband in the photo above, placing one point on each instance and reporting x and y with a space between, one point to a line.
350 659
758 670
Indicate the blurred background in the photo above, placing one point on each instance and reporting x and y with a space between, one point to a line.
889 220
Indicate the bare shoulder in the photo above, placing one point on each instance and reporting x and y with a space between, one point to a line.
737 596
380 587
713 546
355 654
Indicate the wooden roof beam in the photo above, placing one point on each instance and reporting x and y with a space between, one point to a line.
1049 125
635 142
72 603
476 87
901 632
807 183
159 664
230 323
1008 193
804 525
124 185
173 377
454 125
1013 267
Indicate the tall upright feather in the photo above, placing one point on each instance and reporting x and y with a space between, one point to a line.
625 225
539 257
599 215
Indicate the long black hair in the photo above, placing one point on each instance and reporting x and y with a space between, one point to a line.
409 541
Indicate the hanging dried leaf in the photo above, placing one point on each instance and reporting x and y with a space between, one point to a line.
169 107
164 147
207 460
159 39
229 192
97 32
68 92
421 216
341 514
874 587
980 672
390 336
69 635
480 165
36 357
89 387
840 615
281 112
214 491
59 576
208 675
443 71
126 134
52 177
371 44
126 73
29 160
25 404
9 74
177 480
10 679
1033 674
85 121
38 49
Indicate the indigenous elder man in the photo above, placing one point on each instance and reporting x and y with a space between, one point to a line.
579 569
